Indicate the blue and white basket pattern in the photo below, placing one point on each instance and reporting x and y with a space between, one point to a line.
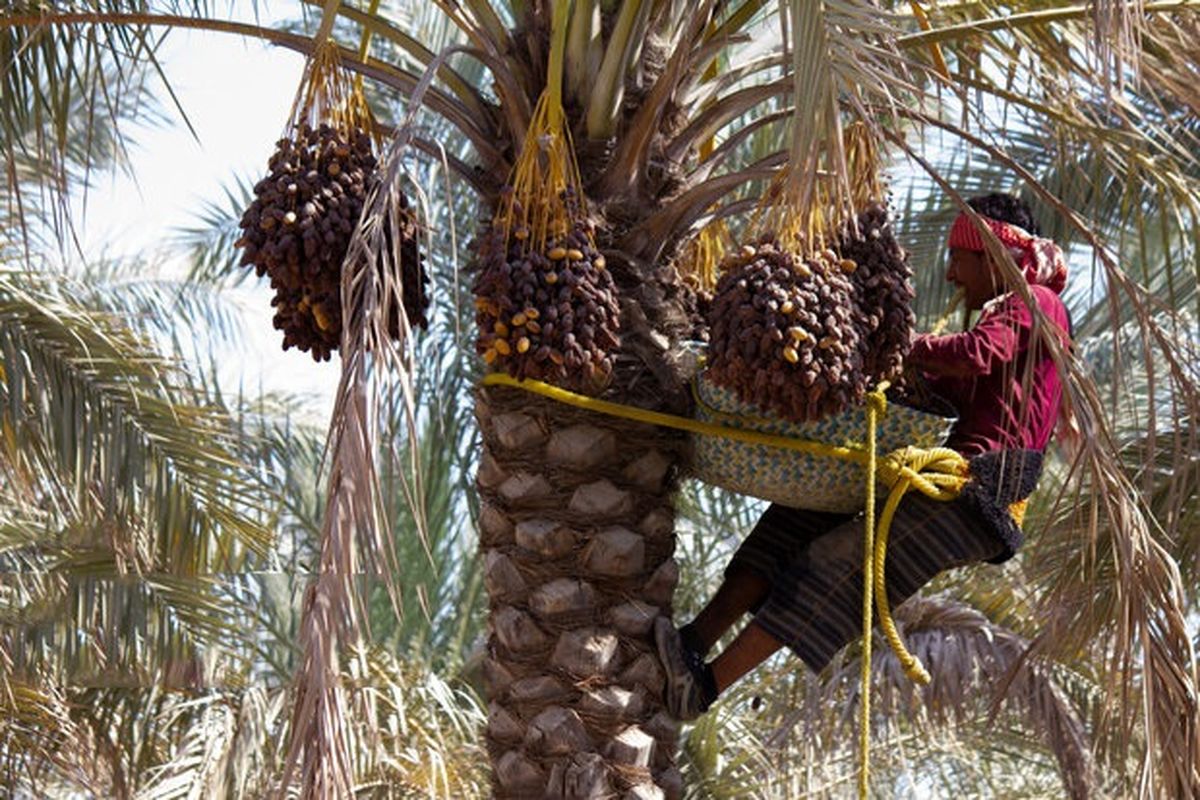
792 478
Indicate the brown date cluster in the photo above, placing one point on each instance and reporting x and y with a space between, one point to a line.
782 335
883 291
807 338
298 229
549 314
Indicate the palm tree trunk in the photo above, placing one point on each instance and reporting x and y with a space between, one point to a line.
577 536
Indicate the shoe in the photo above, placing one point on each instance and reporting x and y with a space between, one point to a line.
688 686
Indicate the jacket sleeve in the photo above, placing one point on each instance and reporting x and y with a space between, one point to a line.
995 340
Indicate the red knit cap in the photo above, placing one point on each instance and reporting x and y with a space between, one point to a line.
1041 260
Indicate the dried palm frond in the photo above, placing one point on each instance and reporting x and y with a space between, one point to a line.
429 739
356 538
80 86
980 670
36 717
230 742
1117 600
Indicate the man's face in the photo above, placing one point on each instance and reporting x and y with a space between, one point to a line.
972 272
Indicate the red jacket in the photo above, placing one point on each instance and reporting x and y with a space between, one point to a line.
983 373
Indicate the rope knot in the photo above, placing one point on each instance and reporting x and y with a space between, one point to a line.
914 669
877 400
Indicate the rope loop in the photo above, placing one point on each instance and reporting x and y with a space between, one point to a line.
937 472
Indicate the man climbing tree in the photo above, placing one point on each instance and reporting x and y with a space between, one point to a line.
800 572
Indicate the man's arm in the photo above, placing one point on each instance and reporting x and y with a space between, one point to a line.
993 341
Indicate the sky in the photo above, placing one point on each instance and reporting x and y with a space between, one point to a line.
237 94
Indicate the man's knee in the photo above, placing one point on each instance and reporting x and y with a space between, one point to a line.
843 543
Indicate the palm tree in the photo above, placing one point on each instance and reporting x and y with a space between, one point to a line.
678 111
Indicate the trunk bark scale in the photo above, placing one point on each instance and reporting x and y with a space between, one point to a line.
577 536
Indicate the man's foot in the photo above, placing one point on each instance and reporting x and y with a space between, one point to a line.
690 688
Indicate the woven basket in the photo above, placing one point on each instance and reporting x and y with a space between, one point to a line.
792 478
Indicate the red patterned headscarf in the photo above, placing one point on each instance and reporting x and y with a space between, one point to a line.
1040 259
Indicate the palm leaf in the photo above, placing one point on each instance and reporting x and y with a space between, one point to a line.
80 389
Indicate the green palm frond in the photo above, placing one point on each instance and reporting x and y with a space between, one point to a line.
98 628
191 317
209 243
68 90
110 643
36 209
36 721
85 398
429 745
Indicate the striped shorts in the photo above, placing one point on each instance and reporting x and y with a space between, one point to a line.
813 563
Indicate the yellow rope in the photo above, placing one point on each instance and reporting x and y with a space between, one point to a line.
876 407
937 472
1017 510
925 468
672 421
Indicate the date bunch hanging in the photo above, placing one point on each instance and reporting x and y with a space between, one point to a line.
783 333
297 229
882 291
546 304
818 310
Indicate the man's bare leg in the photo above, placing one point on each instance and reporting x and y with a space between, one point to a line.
692 685
741 591
752 647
